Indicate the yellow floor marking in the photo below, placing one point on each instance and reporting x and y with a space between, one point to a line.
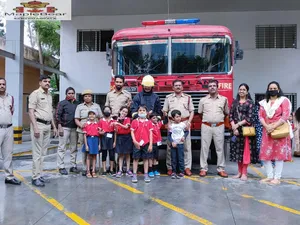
77 219
125 186
260 174
285 208
291 182
163 203
182 211
195 179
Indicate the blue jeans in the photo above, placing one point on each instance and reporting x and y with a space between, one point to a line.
177 158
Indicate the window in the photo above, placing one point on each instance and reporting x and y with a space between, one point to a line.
276 36
93 40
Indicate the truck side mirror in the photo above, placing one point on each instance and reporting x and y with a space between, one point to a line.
238 53
108 53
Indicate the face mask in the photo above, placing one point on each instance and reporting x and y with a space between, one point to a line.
107 114
273 93
142 115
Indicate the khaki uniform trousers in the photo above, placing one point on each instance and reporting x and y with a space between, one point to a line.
39 148
70 137
187 153
207 134
6 146
84 154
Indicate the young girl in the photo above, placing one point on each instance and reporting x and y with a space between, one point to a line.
106 129
91 143
141 133
157 141
123 141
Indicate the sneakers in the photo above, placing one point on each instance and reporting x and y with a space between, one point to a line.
63 171
119 174
134 178
129 173
112 173
180 175
147 178
173 175
151 174
103 173
156 173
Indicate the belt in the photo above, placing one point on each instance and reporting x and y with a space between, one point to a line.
43 121
213 124
182 119
5 125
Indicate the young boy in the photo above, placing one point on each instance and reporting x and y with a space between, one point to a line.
141 133
176 136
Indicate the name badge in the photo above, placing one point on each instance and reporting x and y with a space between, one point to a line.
141 142
109 135
159 143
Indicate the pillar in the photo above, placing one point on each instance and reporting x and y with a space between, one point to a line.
14 73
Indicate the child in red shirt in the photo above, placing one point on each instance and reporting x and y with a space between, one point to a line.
157 141
123 141
141 133
91 143
106 130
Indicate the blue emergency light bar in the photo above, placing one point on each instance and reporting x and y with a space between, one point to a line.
170 21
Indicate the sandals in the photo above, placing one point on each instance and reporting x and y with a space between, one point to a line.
265 181
94 175
88 175
274 182
244 177
237 176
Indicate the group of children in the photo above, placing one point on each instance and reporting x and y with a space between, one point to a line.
140 138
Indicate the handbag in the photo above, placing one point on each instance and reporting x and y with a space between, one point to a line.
248 131
282 131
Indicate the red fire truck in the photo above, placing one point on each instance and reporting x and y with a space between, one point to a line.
176 49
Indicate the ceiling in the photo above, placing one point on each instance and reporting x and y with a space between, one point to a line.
139 7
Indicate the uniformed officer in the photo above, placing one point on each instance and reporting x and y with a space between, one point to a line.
6 132
118 97
213 108
81 116
41 116
182 102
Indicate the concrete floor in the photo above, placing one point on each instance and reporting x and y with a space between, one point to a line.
73 199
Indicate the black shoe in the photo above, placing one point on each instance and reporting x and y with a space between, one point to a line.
103 173
74 170
42 179
63 171
83 173
38 183
13 181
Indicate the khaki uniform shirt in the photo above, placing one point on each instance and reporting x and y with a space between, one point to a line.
183 103
41 102
82 110
213 109
117 100
6 108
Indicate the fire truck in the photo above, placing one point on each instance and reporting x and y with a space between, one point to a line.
176 49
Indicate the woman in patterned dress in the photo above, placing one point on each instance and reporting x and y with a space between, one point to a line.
242 113
258 130
274 110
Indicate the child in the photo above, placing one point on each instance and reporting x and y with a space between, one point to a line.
176 136
141 133
123 141
91 143
157 141
106 129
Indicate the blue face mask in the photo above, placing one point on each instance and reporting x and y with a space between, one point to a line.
142 115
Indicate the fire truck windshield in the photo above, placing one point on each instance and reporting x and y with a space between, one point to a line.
188 55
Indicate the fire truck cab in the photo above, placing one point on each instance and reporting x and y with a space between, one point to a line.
176 49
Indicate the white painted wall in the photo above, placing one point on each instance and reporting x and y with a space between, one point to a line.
259 67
